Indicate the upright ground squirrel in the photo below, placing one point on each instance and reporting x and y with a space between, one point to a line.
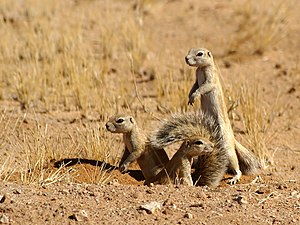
178 169
211 167
151 160
208 86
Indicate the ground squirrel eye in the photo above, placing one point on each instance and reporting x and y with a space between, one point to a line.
198 142
199 54
120 120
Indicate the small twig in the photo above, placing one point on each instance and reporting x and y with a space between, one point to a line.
197 181
266 198
256 180
135 85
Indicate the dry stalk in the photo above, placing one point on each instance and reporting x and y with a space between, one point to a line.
135 85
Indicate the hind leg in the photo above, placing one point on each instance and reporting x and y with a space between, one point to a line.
234 166
233 159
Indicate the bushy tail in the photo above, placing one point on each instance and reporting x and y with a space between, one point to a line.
248 162
182 126
210 169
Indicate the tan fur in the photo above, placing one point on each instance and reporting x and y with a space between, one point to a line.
151 160
210 168
208 86
178 169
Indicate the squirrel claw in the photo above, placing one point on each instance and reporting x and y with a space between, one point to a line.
235 179
191 102
123 168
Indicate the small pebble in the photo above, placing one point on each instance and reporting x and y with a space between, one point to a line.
4 219
151 207
240 199
2 198
188 215
79 215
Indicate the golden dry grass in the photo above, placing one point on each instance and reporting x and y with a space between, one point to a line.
260 25
70 56
246 104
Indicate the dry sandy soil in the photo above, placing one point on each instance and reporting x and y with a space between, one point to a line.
267 51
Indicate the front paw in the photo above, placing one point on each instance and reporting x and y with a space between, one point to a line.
191 100
190 103
123 168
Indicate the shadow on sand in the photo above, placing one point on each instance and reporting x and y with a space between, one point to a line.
136 174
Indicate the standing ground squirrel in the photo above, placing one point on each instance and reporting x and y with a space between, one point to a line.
151 160
208 86
178 169
183 126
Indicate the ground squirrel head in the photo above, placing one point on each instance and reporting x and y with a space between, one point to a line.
120 124
199 57
197 146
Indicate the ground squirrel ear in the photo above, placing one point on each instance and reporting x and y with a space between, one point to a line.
208 53
188 143
131 120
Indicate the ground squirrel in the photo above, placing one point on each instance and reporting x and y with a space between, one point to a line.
178 169
211 167
151 160
208 86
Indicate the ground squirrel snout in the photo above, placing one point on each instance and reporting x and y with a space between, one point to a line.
198 57
120 124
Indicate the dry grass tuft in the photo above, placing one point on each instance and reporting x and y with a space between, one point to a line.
172 90
248 105
51 64
72 57
134 43
7 169
260 26
91 174
41 145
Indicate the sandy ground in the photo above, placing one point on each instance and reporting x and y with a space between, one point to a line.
274 198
